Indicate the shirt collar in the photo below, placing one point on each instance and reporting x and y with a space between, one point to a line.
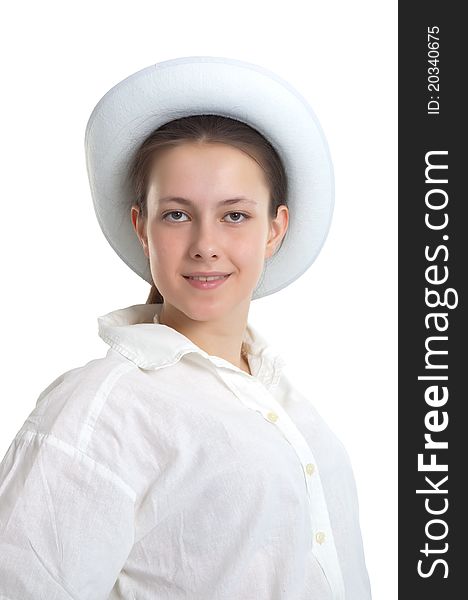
135 332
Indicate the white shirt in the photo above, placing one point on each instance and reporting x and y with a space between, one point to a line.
161 472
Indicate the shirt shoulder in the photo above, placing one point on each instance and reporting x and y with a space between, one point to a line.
125 419
67 411
67 404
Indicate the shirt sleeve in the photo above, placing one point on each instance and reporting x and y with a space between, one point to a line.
66 522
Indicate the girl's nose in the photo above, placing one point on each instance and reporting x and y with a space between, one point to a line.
204 244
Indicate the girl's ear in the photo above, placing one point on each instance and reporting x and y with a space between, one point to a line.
139 224
278 228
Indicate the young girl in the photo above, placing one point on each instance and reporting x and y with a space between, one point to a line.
183 463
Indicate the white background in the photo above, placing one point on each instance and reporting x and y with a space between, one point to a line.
59 273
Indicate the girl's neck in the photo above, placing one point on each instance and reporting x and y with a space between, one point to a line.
221 338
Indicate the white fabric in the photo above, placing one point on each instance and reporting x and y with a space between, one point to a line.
159 471
196 85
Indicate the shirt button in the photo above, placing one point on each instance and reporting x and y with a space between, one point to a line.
271 416
320 537
310 468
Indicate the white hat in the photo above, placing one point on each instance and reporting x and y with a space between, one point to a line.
195 85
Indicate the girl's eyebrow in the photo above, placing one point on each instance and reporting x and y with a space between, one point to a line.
188 202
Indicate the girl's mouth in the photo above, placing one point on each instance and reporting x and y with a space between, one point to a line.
206 283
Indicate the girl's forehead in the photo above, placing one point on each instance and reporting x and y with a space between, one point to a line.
214 172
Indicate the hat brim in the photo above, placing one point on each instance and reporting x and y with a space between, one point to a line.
186 86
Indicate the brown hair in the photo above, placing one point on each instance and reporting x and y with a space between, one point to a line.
206 128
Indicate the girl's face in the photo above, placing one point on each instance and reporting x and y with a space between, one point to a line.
208 213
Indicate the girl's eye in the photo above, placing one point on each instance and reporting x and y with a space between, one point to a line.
177 214
236 216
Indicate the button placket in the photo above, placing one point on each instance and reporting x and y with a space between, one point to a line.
321 535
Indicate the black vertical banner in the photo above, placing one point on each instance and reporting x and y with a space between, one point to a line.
433 269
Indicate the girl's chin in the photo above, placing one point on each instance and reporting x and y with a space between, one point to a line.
199 310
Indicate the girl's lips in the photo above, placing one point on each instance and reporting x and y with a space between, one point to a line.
206 285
